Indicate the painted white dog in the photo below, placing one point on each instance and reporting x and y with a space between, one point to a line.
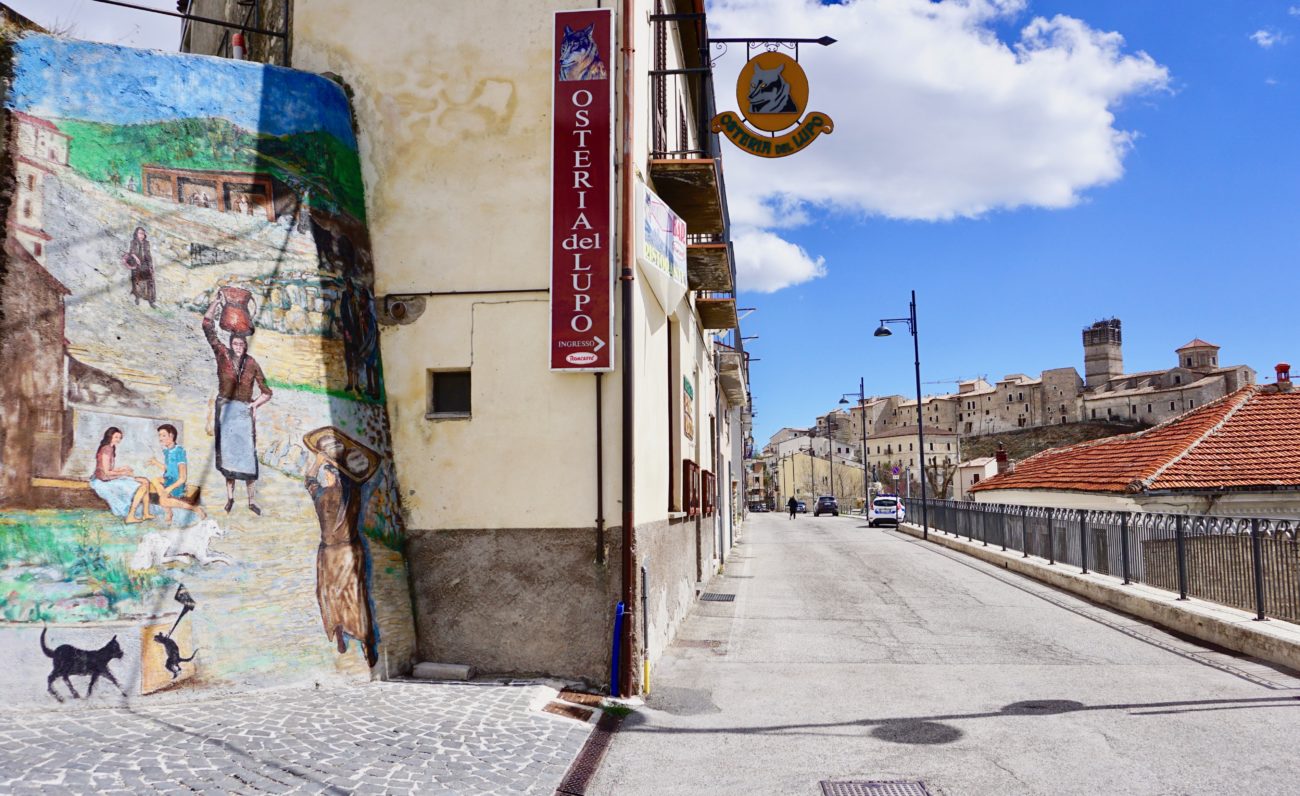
168 547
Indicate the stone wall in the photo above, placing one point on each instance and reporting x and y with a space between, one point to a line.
261 543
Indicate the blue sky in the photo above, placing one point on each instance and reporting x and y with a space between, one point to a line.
1197 236
1017 226
63 78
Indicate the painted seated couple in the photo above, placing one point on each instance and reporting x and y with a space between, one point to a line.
131 496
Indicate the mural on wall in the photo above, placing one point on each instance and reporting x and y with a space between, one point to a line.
192 385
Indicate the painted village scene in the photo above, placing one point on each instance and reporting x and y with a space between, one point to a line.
220 508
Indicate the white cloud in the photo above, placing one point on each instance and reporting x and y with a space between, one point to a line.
1294 11
771 262
1267 38
935 116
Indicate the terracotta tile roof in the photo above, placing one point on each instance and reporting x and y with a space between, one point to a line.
1197 343
1249 439
1259 446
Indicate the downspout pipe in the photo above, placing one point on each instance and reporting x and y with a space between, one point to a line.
627 277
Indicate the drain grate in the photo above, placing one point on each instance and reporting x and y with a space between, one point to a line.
567 711
716 597
875 788
583 768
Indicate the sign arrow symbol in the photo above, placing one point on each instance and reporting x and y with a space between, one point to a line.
599 345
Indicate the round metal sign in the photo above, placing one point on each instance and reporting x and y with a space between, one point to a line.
771 91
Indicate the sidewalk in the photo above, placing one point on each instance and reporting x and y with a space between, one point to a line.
381 737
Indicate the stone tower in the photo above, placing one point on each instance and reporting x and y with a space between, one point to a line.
1102 358
1198 355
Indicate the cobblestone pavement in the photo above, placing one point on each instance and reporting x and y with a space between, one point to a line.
383 737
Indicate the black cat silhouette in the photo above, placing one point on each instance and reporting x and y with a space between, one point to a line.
68 660
174 659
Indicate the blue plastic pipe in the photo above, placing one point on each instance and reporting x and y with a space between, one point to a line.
619 610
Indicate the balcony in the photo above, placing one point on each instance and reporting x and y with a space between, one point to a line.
717 312
731 375
691 187
708 264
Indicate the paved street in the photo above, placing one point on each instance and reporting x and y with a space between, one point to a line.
376 738
861 654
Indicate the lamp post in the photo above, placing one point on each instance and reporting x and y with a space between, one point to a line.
883 331
862 408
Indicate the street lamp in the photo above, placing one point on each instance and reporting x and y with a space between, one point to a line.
883 331
862 407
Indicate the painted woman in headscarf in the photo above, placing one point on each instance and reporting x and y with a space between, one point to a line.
334 481
140 261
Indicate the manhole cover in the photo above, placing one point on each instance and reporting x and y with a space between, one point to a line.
875 788
697 643
715 597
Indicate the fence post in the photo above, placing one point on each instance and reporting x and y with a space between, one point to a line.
1180 552
1257 562
1051 546
1123 546
1083 540
1002 526
984 528
1024 531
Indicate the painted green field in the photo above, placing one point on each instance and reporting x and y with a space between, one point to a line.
316 162
69 566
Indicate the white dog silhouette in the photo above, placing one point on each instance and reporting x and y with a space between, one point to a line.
168 547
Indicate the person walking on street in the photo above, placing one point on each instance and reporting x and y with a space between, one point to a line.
793 505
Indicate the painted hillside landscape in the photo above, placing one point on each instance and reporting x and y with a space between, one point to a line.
195 446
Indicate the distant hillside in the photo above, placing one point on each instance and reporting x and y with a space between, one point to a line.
315 161
1023 443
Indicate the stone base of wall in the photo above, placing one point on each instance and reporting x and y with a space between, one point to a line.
533 601
524 601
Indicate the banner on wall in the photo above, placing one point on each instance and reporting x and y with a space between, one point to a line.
688 409
582 246
661 248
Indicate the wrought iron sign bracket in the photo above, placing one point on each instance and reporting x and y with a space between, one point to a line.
769 44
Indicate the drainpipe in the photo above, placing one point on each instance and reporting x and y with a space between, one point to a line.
627 277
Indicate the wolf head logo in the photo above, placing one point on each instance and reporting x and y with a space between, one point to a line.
579 55
769 93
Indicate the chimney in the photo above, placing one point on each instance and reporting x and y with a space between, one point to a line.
1003 465
1283 377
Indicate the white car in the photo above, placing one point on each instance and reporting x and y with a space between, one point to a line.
886 508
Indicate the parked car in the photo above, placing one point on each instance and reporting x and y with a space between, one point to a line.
886 508
757 508
826 504
801 507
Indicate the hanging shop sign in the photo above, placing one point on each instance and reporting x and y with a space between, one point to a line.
772 92
582 265
661 248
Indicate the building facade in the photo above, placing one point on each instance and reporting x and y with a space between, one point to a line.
1236 455
526 482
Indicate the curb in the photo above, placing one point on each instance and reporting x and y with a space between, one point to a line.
1275 641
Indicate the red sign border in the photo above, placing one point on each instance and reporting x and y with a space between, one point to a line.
608 187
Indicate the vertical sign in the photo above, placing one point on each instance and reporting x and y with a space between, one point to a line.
582 265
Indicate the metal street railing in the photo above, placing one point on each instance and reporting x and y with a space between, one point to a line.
1250 563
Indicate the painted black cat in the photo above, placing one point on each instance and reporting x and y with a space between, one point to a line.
68 661
174 659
